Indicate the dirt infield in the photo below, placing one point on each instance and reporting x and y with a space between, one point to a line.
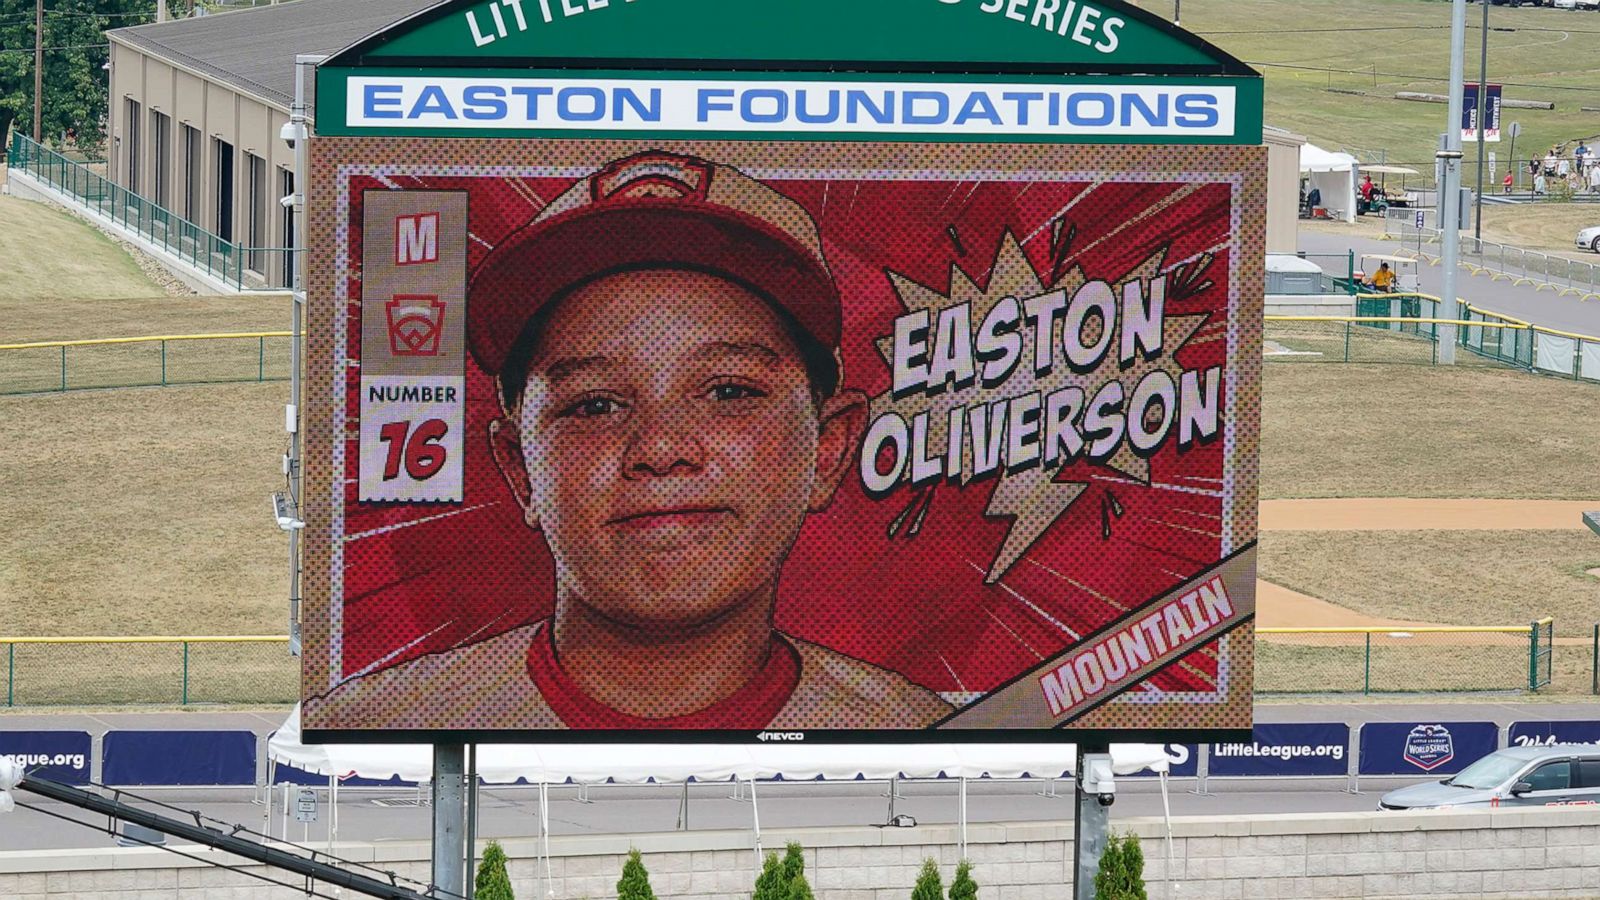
1423 515
1280 607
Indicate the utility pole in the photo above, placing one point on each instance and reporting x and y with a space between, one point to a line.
1450 209
1483 121
1177 12
161 11
38 71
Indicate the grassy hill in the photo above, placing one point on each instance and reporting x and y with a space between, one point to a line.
1548 54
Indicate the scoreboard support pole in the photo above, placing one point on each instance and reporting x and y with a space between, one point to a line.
449 820
1090 822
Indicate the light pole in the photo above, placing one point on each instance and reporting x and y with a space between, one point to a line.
1450 209
1483 122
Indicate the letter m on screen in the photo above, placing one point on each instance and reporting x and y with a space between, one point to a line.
416 239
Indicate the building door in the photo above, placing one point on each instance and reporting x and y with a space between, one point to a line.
255 210
191 173
286 228
135 142
225 186
161 150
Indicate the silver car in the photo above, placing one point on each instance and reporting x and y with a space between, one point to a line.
1589 238
1555 775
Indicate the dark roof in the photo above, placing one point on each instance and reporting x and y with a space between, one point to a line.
254 49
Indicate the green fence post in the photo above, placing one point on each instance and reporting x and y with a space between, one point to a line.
11 672
1533 657
1347 324
163 363
1366 676
261 359
63 367
1594 662
185 673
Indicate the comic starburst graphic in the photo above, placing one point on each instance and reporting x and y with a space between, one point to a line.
1031 497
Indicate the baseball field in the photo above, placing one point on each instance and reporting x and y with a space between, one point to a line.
144 510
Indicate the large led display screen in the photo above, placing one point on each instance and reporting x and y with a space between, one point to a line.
718 440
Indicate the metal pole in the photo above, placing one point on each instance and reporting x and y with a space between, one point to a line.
1483 121
1450 211
1090 824
303 64
1177 12
449 815
472 820
38 70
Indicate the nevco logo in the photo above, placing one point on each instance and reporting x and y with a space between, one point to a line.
781 736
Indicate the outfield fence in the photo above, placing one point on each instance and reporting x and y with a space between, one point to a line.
45 366
1438 658
244 268
182 671
169 671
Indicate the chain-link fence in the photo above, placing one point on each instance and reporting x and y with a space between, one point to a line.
1405 660
245 268
144 361
108 671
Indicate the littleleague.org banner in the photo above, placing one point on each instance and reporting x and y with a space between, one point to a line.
732 106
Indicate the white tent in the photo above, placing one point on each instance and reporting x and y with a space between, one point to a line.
547 764
1334 174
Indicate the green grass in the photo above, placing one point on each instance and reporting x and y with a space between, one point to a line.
51 255
1565 54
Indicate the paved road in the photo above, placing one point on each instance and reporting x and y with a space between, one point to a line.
1522 302
513 812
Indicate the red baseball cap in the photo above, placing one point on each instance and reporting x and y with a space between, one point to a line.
647 210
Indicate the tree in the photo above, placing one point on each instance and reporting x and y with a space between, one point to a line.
1121 874
493 882
962 887
929 886
635 881
799 889
75 51
794 863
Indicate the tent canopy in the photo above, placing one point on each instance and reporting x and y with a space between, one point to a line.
676 763
1316 159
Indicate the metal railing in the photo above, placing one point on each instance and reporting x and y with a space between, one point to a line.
79 671
1399 659
1501 262
244 268
44 366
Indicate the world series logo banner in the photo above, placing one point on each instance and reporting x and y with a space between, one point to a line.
713 438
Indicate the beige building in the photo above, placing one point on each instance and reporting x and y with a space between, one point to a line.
196 106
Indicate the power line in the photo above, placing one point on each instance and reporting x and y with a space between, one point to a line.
1369 73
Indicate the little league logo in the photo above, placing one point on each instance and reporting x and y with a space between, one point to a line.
1429 746
415 323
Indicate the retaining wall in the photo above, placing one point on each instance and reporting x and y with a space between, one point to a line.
1500 853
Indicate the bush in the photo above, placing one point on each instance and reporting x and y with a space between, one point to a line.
769 884
929 887
493 882
799 889
794 864
635 881
1121 875
962 887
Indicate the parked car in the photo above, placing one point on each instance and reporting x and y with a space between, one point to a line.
1555 775
1589 238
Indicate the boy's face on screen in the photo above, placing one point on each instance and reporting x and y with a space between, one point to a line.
672 446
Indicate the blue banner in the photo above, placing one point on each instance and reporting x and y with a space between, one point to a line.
1425 748
179 758
1296 749
59 756
1543 734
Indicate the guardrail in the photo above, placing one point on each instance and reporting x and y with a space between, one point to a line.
80 671
43 366
1566 277
1401 659
244 268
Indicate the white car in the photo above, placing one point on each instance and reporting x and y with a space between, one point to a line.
1589 238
